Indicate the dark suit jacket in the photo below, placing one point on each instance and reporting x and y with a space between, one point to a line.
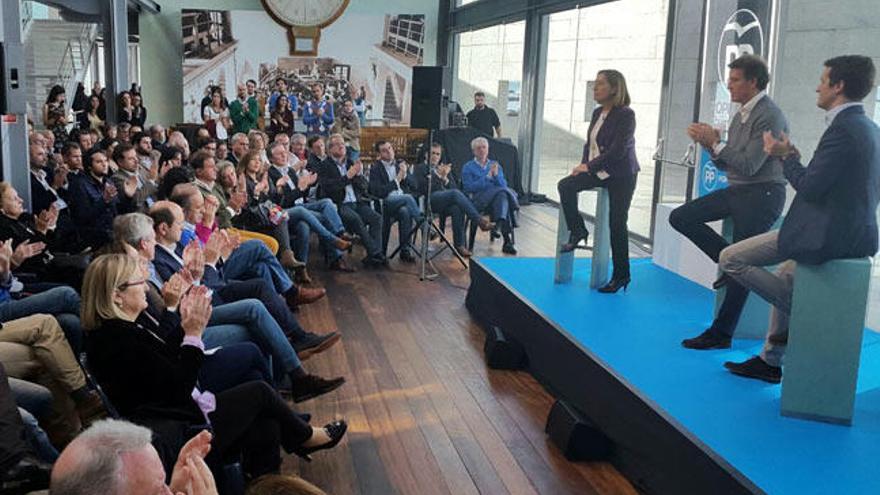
381 186
616 140
331 184
166 266
41 198
833 213
144 376
286 196
419 182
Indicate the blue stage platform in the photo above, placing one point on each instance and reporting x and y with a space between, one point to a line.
635 338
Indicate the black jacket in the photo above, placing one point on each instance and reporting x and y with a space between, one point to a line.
381 186
331 184
144 370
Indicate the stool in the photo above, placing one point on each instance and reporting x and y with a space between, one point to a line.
601 246
828 307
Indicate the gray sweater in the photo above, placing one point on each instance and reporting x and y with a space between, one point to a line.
743 157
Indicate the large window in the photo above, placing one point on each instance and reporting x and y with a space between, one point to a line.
626 35
491 60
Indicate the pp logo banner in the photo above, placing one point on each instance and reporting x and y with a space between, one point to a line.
711 179
743 34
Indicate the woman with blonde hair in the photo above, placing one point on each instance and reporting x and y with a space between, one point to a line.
150 375
609 161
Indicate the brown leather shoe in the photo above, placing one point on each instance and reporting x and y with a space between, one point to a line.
485 225
308 295
342 244
289 261
464 252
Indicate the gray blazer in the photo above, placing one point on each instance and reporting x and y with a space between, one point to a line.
743 158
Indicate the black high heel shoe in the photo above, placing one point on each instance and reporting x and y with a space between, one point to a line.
574 242
335 430
614 285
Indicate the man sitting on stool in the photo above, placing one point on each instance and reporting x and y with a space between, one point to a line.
389 180
483 179
447 199
832 215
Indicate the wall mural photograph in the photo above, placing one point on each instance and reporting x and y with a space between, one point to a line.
362 56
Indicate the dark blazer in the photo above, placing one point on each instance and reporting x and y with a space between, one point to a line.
145 375
41 198
331 184
616 140
166 266
381 186
833 213
89 211
286 196
419 182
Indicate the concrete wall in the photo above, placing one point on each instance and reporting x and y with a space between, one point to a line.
813 31
161 46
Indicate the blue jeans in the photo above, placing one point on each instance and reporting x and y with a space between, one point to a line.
404 208
455 204
37 438
34 401
327 213
248 320
60 302
305 221
254 260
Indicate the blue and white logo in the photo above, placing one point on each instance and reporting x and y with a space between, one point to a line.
742 34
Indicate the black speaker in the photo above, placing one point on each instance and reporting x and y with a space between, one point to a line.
502 353
427 97
576 437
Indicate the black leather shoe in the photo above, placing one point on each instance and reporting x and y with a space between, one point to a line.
335 430
508 248
406 256
574 242
29 474
756 368
614 285
723 280
709 339
310 386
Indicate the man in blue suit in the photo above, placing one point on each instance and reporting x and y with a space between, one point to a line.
833 213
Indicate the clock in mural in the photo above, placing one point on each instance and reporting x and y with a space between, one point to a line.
304 20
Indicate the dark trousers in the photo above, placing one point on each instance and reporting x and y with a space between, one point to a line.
620 193
753 208
233 365
13 445
357 217
253 420
453 203
260 290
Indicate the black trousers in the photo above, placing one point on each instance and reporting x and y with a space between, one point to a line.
253 420
620 193
13 445
754 208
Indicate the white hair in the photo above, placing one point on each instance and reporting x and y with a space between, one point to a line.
479 140
238 136
132 228
98 469
298 137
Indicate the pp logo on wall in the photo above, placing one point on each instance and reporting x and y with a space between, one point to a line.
743 34
711 179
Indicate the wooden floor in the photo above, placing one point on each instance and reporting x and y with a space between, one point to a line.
426 416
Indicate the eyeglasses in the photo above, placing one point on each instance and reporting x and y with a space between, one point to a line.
131 284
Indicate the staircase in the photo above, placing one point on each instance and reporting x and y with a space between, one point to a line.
56 52
391 110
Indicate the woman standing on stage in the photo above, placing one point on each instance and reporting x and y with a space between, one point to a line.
609 161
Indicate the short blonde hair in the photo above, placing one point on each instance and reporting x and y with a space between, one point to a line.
103 277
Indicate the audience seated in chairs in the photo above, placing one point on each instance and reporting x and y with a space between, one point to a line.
447 199
391 180
483 179
343 181
154 380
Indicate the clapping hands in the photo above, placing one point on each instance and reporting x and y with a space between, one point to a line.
195 311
